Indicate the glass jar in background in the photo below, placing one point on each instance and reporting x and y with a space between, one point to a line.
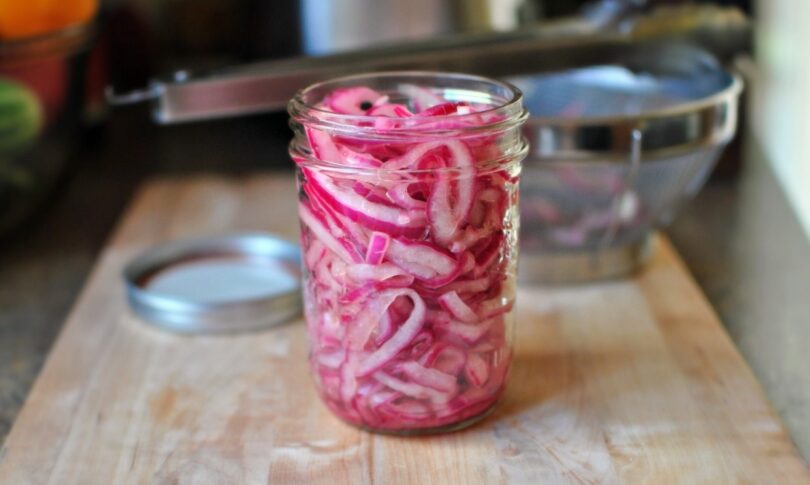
408 204
44 48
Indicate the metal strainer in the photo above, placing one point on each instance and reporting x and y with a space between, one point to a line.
615 151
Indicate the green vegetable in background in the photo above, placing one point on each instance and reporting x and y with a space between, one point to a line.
21 117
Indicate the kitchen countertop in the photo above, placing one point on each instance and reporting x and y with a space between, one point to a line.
739 238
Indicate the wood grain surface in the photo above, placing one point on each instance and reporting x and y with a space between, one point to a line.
632 381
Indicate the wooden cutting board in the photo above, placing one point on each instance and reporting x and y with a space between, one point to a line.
627 381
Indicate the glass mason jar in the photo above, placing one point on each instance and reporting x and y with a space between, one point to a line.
409 224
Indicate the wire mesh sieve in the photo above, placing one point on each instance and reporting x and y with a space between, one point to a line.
616 150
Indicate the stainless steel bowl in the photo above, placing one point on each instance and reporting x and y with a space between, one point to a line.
615 151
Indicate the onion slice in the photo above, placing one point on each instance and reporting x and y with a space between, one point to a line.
401 338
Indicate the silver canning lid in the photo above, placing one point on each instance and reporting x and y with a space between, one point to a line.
217 284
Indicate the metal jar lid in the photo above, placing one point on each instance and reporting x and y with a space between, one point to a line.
217 284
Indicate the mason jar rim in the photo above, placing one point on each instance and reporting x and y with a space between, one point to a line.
62 42
507 104
307 112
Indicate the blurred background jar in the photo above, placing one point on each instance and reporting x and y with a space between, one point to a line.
43 87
